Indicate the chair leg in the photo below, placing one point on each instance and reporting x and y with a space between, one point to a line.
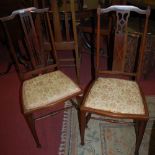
77 106
82 125
77 66
31 123
140 129
88 117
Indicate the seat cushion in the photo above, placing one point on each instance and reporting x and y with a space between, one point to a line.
115 95
46 89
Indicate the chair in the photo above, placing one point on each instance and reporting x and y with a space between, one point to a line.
43 85
116 93
64 28
67 41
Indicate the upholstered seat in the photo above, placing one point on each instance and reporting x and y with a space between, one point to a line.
115 95
45 89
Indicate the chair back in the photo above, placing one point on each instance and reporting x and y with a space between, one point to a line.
26 46
41 3
128 43
64 20
64 27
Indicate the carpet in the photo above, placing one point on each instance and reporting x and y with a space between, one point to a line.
103 138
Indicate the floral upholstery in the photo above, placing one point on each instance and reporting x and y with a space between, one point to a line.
45 89
115 95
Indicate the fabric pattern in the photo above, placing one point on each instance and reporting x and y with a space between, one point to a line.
45 89
115 95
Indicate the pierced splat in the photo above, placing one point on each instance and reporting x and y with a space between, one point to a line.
122 20
121 37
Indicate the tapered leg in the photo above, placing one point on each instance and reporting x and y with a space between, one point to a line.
82 125
136 125
31 123
140 129
77 65
88 117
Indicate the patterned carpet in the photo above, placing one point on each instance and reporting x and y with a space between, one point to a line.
104 138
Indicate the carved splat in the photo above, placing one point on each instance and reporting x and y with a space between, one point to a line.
122 20
121 38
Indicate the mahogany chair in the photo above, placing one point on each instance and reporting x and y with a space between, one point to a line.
43 85
64 29
66 40
116 93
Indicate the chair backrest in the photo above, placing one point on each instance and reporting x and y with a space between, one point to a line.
128 46
26 47
62 13
64 22
41 3
64 28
